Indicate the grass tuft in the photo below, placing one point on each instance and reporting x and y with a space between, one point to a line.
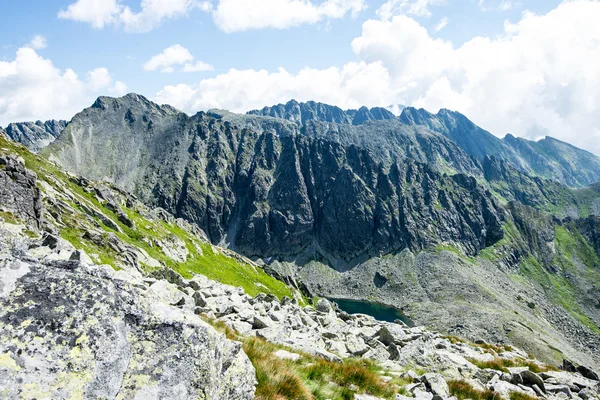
464 390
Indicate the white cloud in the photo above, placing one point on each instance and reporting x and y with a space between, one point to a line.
198 66
540 77
242 15
173 56
170 56
441 25
38 42
354 85
32 88
118 89
419 8
228 15
99 79
154 12
98 13
101 13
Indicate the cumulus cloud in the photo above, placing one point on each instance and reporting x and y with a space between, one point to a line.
38 42
419 8
32 88
228 15
540 77
173 56
169 57
354 85
241 15
100 13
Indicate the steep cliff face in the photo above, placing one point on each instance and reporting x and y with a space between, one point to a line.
35 135
269 189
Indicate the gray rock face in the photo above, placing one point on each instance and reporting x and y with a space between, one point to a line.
18 192
35 135
72 330
270 190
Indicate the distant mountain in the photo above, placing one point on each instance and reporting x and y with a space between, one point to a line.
35 135
548 158
554 159
312 111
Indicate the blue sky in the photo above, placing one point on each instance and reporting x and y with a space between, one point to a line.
76 45
501 62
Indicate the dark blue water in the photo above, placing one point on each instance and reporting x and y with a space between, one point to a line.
376 310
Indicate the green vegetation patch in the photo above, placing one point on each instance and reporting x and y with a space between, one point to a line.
10 218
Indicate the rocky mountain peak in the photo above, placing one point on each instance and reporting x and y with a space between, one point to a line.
300 113
35 135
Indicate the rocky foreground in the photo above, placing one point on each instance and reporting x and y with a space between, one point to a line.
71 327
73 330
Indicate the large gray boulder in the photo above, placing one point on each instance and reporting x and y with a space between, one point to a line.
70 330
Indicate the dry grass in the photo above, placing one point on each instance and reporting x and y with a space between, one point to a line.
521 396
277 379
464 390
502 364
310 378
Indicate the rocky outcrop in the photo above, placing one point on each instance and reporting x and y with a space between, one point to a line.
35 135
68 329
19 194
329 333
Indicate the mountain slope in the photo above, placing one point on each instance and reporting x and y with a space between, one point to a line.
553 159
547 158
35 135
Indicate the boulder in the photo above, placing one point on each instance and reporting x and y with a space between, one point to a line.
80 332
324 306
554 389
588 373
392 334
356 345
260 323
528 378
436 384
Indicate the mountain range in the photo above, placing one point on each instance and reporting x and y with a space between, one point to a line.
465 232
